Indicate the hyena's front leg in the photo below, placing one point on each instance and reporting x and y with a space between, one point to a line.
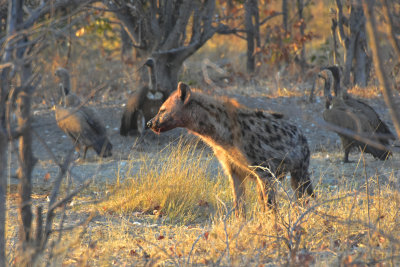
236 178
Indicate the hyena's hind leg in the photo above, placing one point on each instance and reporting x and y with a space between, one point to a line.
237 178
266 192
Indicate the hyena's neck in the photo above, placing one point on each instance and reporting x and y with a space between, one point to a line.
212 120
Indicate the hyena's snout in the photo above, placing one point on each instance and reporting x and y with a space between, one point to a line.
162 123
149 124
154 124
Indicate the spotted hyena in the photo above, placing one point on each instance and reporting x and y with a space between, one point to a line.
248 143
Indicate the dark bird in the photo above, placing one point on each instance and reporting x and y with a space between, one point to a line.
142 106
346 112
82 124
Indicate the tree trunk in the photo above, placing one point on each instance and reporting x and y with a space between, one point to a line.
249 35
169 31
362 61
4 91
26 159
285 15
126 48
3 192
252 32
335 45
378 63
356 60
300 7
167 70
25 170
392 35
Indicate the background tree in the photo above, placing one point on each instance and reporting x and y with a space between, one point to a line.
302 26
378 59
252 24
170 31
356 59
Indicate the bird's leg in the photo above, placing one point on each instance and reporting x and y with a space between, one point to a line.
346 154
85 151
78 150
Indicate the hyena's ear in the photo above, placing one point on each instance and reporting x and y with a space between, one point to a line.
183 92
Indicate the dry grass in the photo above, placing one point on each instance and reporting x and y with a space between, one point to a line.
174 211
177 185
366 92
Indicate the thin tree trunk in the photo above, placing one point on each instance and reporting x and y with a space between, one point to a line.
252 24
395 43
362 61
3 192
256 24
335 43
250 34
356 60
300 7
26 167
26 159
285 15
378 63
4 90
126 48
167 71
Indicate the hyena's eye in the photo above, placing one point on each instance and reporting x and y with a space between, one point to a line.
162 110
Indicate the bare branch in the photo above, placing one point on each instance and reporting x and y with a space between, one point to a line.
185 11
69 196
270 17
53 197
358 136
46 8
6 65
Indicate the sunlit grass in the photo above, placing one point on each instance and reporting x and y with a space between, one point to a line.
365 92
177 186
335 228
175 212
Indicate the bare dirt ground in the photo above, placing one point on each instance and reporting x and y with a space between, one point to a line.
325 145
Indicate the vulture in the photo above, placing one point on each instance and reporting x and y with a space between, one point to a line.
142 106
346 112
81 123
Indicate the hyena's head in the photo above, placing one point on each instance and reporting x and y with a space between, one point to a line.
173 113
